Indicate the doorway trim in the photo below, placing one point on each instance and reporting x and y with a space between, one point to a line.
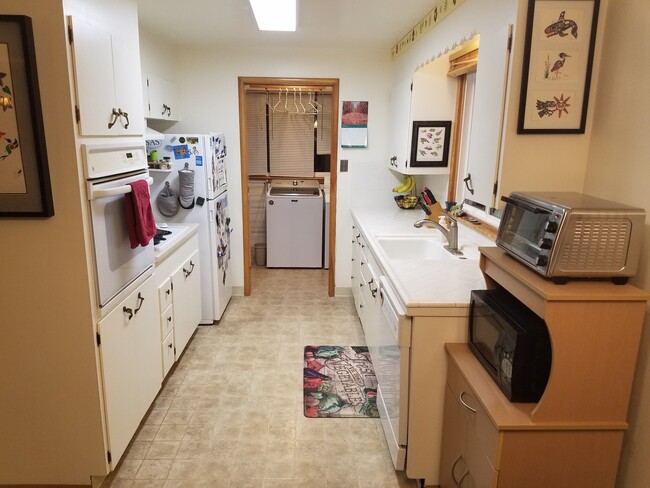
270 82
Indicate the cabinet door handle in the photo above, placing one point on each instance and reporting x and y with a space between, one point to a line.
126 116
129 311
169 319
140 302
393 161
166 110
462 478
464 403
468 183
187 272
114 116
453 467
170 345
167 291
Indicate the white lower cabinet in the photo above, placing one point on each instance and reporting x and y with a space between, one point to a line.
425 378
129 345
186 301
179 299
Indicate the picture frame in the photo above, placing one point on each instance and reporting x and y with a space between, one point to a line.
25 189
430 144
558 58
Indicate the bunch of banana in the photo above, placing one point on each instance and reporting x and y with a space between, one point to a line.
407 185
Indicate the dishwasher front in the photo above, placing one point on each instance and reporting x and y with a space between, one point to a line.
392 369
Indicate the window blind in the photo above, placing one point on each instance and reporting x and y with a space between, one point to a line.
291 144
324 118
256 133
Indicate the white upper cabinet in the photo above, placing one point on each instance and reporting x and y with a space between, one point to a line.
161 98
107 79
430 97
487 119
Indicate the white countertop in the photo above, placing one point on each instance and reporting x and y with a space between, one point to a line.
424 283
179 234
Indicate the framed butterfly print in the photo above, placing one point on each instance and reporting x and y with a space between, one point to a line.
25 189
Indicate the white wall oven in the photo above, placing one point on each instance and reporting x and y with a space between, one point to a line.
118 268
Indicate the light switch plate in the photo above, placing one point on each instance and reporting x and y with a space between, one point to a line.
344 166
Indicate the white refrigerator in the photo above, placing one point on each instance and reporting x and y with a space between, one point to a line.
205 203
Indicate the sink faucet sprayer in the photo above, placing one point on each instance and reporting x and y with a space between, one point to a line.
450 234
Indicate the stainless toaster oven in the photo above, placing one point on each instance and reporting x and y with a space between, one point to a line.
564 234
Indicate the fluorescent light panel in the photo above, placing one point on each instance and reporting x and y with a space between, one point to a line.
275 15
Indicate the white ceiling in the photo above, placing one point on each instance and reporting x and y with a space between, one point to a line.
321 23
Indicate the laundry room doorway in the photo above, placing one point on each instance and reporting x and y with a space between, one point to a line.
269 110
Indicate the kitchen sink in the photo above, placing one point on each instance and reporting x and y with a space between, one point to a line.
400 248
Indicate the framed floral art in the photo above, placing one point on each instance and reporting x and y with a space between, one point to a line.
430 144
25 189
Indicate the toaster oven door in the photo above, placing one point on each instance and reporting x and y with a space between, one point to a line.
524 233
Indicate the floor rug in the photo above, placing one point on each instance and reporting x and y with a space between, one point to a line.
339 381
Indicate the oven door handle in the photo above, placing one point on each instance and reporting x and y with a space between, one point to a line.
111 192
525 206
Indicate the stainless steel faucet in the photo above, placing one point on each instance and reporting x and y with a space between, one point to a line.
450 234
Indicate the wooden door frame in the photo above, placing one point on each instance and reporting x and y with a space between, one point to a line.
332 83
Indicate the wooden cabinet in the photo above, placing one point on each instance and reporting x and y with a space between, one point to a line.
573 435
129 345
107 81
467 437
160 98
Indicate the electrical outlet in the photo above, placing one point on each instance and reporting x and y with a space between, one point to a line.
344 166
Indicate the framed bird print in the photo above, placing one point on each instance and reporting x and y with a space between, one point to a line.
25 189
558 57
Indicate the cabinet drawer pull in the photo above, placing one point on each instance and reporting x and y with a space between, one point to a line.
460 398
453 467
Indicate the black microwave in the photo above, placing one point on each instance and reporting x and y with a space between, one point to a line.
511 342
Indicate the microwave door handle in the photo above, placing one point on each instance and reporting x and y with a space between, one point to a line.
525 206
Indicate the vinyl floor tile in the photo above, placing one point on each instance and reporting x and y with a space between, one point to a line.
230 415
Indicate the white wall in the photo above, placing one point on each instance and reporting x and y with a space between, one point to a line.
209 100
555 162
50 413
618 169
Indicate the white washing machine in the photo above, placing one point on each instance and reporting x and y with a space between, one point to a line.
294 224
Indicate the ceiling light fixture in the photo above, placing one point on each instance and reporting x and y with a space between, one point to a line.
275 15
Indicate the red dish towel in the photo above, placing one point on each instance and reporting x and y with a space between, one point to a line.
139 216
